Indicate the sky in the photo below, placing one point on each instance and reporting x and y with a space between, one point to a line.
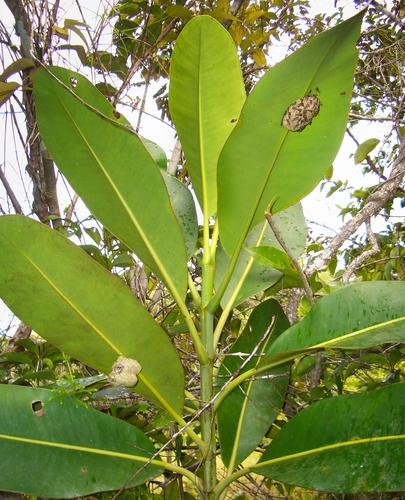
321 212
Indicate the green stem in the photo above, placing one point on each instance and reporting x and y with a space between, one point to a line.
194 291
207 419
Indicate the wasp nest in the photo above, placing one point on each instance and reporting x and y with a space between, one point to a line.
124 372
301 113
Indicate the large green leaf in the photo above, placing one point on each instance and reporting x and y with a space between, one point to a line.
246 414
344 444
110 168
73 302
205 98
357 316
291 224
54 446
263 162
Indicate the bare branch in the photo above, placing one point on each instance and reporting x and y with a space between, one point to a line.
10 193
358 261
375 202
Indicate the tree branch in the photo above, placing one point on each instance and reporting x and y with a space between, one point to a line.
358 261
375 202
10 193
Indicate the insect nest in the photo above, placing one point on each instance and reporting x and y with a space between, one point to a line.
301 113
124 372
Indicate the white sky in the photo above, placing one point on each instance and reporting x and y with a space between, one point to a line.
318 209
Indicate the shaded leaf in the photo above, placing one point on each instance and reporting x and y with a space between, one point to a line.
17 66
345 444
246 414
291 224
7 90
69 450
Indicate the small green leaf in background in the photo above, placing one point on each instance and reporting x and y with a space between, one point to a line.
291 224
364 149
54 446
246 414
205 98
357 316
109 167
75 304
275 258
264 163
345 444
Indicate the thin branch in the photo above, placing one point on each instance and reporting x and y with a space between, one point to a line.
10 193
358 261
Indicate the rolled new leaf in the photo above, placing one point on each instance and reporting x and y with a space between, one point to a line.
205 98
270 162
109 167
52 445
345 444
246 414
77 305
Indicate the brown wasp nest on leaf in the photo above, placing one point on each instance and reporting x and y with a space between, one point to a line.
124 372
301 113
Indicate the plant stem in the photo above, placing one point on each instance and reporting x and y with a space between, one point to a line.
207 419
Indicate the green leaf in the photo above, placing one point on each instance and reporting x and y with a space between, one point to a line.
364 149
205 98
7 90
275 258
357 316
78 306
156 152
109 167
291 224
246 414
183 205
54 446
17 66
263 162
345 444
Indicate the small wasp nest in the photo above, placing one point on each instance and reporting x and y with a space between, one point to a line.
301 112
124 372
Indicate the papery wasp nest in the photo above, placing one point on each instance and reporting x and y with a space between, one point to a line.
301 113
125 372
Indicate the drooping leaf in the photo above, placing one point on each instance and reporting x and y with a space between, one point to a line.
17 66
246 414
54 446
7 90
357 316
78 306
205 98
265 163
110 168
347 444
291 224
364 149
